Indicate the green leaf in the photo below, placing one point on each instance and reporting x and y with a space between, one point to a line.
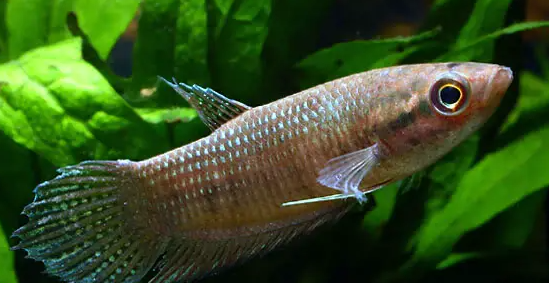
375 220
157 116
17 177
486 190
509 230
103 21
56 104
542 58
470 50
172 41
450 26
479 25
438 17
516 225
456 258
7 275
237 33
445 175
530 112
292 36
3 35
27 32
469 34
468 21
516 266
357 56
420 196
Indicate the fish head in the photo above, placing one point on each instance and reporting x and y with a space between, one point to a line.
450 101
461 97
465 93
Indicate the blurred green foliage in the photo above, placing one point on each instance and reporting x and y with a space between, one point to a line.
7 273
476 210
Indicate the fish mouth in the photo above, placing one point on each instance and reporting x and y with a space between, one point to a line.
498 83
504 77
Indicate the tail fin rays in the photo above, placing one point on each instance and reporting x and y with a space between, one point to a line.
77 227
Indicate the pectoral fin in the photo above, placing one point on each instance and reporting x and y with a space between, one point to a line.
344 173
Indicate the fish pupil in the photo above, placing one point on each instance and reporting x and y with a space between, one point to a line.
449 95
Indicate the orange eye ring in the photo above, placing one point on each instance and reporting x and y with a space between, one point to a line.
449 96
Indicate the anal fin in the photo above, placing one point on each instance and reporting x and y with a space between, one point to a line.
213 108
191 259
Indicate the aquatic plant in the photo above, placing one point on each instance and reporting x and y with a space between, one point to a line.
477 210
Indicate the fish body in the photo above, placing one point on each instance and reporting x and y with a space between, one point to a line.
220 200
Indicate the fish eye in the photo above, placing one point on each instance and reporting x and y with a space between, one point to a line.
449 96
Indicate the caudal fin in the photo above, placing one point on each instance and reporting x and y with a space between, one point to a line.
77 227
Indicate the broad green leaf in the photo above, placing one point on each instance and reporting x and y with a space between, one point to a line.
513 227
438 16
27 32
352 57
156 116
508 231
541 56
103 21
7 274
531 109
421 196
56 104
292 36
375 220
456 258
33 23
402 216
172 41
17 179
445 175
468 34
468 51
237 33
517 225
448 15
516 266
3 35
463 21
479 25
487 189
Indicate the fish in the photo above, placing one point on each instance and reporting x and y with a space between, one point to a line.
263 177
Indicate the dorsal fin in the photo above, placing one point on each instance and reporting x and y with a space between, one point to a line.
213 108
192 259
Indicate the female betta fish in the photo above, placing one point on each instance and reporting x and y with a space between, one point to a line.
264 176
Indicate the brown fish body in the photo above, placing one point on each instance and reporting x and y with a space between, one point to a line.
235 180
219 200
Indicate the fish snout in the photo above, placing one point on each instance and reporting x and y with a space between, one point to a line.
498 84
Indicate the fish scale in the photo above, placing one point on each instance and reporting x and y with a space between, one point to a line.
260 197
249 199
264 176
